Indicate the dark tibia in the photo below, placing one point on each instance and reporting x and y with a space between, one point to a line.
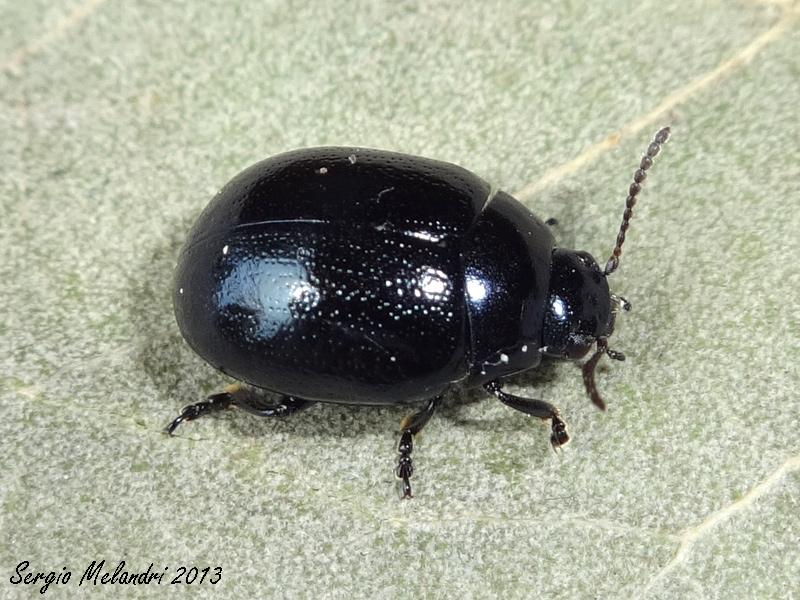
537 408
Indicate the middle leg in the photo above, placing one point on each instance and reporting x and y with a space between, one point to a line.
410 427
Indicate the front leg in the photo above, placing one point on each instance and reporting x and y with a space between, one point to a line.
537 408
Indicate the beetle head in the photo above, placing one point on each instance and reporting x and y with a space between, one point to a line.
578 306
580 313
581 310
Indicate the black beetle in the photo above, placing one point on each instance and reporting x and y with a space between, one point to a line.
358 276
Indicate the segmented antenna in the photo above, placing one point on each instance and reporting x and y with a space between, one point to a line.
602 342
641 174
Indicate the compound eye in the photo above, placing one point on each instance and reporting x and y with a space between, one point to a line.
587 260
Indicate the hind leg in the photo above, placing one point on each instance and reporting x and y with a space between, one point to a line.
241 397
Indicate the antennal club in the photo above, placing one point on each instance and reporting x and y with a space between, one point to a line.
641 174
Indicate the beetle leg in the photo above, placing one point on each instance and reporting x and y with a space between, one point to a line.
537 408
239 396
287 406
411 426
214 403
